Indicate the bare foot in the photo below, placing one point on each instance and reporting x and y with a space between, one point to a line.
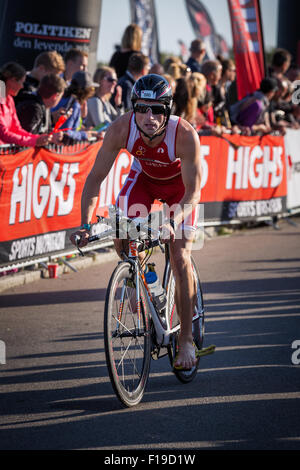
186 357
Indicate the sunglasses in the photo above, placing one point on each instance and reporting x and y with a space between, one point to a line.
111 79
155 108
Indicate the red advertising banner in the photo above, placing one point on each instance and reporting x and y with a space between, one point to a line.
247 44
40 198
240 173
40 191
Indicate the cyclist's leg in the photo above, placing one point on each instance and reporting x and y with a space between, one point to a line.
185 294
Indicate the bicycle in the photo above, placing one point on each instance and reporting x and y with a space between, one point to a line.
134 330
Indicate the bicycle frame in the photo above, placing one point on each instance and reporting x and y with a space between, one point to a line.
163 335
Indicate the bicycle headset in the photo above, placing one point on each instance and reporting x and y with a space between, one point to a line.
153 87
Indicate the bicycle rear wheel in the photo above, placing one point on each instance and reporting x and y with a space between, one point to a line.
127 337
184 376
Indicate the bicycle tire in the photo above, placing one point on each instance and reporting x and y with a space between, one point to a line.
127 347
184 376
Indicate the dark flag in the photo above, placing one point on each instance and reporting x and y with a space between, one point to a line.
203 26
222 47
183 50
247 44
143 14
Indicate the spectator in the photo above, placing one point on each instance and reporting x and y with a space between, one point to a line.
204 120
212 70
171 60
11 131
293 73
188 91
80 90
138 65
44 64
131 43
174 69
220 92
280 63
76 60
100 109
171 82
281 108
35 113
198 51
157 69
227 77
252 111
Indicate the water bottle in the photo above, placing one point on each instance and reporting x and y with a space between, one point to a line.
157 291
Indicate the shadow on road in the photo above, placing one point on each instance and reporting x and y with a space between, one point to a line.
245 396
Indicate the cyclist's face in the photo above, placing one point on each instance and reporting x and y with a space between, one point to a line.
149 122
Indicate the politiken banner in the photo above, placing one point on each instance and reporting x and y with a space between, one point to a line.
247 44
243 178
28 28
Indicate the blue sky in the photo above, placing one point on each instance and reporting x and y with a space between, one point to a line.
174 24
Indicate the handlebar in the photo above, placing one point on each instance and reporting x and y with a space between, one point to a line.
137 229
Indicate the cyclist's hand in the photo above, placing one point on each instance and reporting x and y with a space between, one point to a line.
167 233
83 236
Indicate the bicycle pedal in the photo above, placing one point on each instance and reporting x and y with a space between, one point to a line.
205 351
155 353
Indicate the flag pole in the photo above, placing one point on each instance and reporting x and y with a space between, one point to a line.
262 36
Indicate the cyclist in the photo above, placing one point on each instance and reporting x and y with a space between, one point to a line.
166 166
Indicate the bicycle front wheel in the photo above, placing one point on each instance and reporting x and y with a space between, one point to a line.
127 337
184 376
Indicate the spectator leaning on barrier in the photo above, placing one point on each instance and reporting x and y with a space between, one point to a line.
220 92
198 51
252 111
82 87
204 121
280 63
35 113
44 64
131 43
283 112
11 131
138 65
100 109
75 60
212 70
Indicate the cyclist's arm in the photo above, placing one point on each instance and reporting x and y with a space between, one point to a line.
188 150
114 141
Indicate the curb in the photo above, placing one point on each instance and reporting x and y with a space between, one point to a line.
26 277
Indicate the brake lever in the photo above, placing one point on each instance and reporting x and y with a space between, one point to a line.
161 246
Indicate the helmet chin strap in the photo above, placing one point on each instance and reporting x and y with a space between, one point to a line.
163 127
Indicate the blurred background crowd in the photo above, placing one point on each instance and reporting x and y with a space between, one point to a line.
59 101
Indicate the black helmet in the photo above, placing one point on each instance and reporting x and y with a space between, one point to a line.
152 87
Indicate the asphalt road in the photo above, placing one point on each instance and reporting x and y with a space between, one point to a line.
55 392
